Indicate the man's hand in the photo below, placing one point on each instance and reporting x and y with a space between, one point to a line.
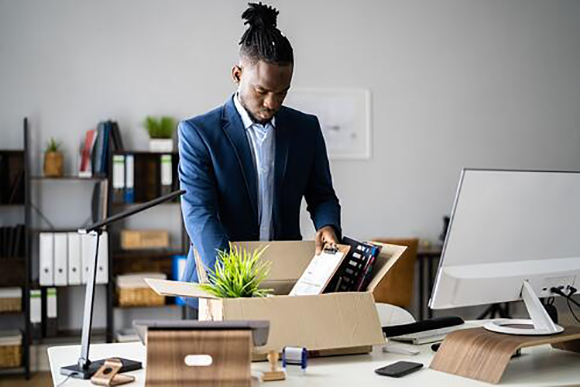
325 237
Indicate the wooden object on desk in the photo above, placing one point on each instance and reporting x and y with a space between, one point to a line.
274 373
108 374
167 351
397 286
483 355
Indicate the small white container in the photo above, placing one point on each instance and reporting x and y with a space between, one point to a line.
161 145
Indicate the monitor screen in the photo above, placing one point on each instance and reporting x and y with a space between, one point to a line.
508 227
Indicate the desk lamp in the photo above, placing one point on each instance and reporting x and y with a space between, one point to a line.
85 368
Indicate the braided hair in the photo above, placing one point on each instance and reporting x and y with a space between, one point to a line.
262 40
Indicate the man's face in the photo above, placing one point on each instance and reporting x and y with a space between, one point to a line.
262 87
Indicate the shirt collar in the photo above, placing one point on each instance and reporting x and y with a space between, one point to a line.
246 119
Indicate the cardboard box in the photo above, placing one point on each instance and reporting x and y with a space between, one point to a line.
144 239
345 322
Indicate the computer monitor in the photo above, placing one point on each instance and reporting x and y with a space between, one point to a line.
513 235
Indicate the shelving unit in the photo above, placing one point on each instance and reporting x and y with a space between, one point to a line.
147 172
43 185
16 271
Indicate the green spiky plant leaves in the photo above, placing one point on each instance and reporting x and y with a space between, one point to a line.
160 127
238 273
53 145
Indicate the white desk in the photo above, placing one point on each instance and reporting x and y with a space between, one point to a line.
539 366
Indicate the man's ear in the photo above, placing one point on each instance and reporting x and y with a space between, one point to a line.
237 74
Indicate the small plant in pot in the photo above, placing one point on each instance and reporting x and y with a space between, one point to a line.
160 133
53 159
238 273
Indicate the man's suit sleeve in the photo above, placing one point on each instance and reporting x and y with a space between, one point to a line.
322 202
199 203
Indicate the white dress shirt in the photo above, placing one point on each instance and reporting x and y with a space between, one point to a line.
263 146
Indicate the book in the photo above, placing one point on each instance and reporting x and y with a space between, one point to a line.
130 179
74 258
166 174
118 178
354 272
85 167
60 259
116 136
46 258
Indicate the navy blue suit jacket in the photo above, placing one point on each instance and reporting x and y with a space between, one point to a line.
216 169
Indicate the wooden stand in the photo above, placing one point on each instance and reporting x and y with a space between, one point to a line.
229 351
482 355
108 374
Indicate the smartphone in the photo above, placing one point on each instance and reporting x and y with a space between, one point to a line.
399 369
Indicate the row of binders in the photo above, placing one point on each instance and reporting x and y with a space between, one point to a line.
155 177
66 257
12 241
43 313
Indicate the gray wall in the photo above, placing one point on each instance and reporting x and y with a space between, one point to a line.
454 83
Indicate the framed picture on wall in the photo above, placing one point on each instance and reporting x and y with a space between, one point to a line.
344 116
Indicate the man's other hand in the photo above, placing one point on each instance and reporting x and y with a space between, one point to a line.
325 238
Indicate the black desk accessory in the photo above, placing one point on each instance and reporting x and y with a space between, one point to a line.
422 326
85 368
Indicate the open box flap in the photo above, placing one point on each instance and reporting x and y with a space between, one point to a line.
178 288
288 259
385 261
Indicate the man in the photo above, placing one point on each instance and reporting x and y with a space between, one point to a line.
246 165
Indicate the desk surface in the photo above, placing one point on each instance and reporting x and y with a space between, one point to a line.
539 366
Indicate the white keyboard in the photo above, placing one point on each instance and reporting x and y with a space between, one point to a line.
431 336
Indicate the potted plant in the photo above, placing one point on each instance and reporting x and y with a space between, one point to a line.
53 159
160 133
238 273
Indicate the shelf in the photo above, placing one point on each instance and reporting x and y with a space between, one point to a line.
12 151
135 204
12 205
68 178
172 306
144 152
11 313
136 254
12 371
39 230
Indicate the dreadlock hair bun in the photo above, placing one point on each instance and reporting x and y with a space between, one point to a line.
260 16
262 40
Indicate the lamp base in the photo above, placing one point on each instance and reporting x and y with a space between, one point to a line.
75 371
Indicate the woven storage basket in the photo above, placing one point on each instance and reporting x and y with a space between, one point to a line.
139 297
10 304
10 356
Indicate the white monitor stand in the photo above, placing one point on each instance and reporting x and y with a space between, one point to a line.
539 324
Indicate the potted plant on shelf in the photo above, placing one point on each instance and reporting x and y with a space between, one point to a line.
160 133
238 273
53 159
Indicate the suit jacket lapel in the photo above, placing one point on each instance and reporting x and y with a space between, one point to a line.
283 136
235 132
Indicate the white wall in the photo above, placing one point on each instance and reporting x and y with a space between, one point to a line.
454 83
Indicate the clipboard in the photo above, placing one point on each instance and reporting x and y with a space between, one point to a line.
320 272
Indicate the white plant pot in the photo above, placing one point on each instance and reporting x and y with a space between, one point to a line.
161 145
